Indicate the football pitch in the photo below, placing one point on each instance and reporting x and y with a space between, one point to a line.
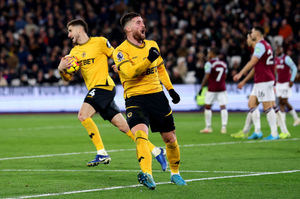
45 156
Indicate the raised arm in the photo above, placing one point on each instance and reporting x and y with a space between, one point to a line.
128 69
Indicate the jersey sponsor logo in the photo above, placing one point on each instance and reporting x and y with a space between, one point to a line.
120 56
86 61
280 66
108 44
150 71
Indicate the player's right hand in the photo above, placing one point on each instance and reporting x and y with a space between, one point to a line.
153 54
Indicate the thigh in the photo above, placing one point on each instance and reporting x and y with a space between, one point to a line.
86 111
264 92
160 112
222 98
135 112
210 97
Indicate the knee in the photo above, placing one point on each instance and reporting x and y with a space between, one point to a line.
81 117
207 106
222 107
169 137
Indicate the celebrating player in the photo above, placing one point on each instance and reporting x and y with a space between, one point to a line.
141 69
264 79
92 54
286 73
215 75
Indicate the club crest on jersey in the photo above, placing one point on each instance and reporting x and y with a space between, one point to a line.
120 57
83 54
108 44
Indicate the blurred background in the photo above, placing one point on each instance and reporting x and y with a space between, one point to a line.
33 35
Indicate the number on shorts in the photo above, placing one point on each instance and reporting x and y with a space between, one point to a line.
270 60
92 92
220 71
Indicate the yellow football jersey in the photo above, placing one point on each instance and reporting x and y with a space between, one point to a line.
137 74
93 56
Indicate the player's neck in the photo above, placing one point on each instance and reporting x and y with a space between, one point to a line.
132 40
84 38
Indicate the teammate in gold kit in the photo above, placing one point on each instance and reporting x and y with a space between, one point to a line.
141 70
92 54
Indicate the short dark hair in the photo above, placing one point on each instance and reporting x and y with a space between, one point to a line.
127 17
259 29
78 22
214 50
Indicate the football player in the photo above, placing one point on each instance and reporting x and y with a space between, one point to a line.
215 75
264 78
286 73
141 70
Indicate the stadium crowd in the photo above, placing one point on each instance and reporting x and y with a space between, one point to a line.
33 33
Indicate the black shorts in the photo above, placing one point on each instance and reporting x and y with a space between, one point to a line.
150 109
103 102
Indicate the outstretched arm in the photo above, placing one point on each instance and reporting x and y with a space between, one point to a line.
246 79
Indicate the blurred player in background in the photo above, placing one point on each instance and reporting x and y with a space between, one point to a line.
264 78
253 116
141 70
215 76
286 73
93 53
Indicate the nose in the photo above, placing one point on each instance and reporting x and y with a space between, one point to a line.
69 35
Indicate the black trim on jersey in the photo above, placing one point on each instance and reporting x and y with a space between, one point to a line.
136 45
106 84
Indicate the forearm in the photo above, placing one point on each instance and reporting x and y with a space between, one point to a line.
203 83
249 65
249 76
130 70
164 77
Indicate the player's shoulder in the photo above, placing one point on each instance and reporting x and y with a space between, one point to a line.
150 43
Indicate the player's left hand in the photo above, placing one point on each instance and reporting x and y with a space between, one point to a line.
291 84
200 91
237 77
115 68
175 96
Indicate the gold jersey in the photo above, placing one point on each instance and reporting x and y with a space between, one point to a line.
93 61
137 74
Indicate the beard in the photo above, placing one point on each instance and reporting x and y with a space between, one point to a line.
139 36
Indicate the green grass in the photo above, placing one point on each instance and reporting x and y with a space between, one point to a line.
216 155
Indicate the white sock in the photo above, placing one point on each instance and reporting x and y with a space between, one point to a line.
283 116
248 123
208 113
102 152
156 151
294 114
256 120
224 117
271 117
281 122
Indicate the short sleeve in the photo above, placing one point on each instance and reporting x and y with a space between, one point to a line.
259 50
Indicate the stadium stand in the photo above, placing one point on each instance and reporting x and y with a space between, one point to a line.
33 34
